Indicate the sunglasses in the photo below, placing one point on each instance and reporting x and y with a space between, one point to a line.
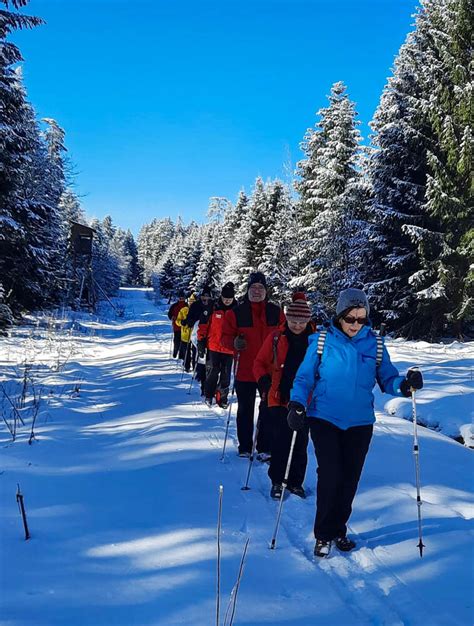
350 319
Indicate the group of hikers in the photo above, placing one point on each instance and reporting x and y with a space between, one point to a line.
314 379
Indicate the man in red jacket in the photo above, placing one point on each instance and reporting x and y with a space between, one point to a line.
245 329
219 358
172 315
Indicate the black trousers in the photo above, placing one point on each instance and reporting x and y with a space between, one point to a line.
188 355
218 372
246 396
176 342
282 436
340 455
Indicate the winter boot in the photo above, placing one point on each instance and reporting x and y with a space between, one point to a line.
322 548
222 400
298 491
276 491
264 457
244 455
208 401
344 544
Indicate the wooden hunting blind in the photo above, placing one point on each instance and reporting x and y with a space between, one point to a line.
81 246
81 239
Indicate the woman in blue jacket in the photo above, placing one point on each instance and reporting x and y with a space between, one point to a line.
333 386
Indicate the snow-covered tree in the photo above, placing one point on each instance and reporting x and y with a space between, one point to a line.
420 174
210 266
329 188
279 260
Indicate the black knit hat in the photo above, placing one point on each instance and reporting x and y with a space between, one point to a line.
257 277
228 290
206 291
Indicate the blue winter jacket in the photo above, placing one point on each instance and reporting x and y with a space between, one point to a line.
339 387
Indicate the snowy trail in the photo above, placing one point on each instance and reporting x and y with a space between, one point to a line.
121 490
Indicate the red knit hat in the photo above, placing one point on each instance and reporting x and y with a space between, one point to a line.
298 310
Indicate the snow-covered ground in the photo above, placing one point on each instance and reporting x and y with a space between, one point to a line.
121 489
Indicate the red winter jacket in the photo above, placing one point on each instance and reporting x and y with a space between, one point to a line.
211 329
254 321
173 313
271 360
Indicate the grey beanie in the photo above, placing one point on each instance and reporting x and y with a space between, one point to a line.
352 299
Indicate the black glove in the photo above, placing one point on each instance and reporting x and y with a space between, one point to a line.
201 348
264 383
296 415
240 343
413 379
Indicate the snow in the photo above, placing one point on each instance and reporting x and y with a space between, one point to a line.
121 490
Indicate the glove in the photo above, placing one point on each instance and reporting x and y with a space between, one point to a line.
413 379
201 348
184 322
296 415
240 343
264 383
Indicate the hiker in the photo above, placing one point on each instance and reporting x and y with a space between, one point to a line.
245 329
173 311
187 350
219 361
334 386
275 369
199 312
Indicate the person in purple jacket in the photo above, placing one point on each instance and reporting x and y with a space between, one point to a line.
332 394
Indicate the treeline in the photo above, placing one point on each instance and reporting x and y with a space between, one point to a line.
37 203
394 218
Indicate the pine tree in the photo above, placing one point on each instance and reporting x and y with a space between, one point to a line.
232 243
106 270
329 190
16 149
279 261
167 280
153 241
397 173
445 293
210 265
134 271
420 173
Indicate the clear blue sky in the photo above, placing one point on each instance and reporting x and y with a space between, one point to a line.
168 102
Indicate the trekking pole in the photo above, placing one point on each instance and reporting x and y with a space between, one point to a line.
229 412
417 471
233 596
193 376
21 506
185 359
252 455
219 525
285 483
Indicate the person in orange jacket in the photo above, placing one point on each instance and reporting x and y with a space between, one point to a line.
275 368
245 329
219 358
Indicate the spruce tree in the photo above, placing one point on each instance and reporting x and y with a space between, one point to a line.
329 190
422 209
17 146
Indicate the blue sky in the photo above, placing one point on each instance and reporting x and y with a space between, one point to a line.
166 103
